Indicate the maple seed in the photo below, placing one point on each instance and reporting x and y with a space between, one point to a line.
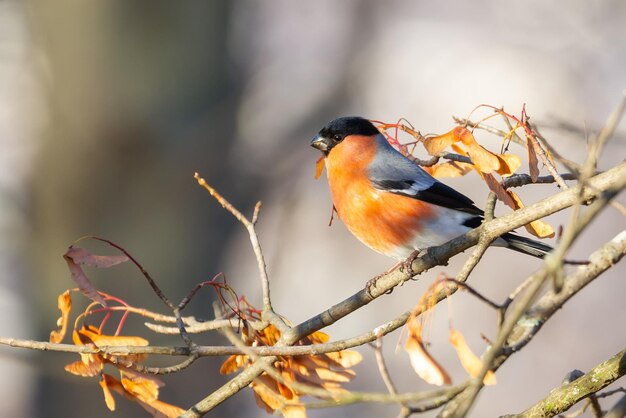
326 371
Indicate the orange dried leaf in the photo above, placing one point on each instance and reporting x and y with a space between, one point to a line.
484 160
436 144
470 362
108 396
84 257
266 393
145 390
231 365
346 358
89 366
160 409
319 337
424 365
155 407
538 228
64 303
295 411
285 391
117 340
449 169
459 150
509 163
335 376
533 162
85 286
319 167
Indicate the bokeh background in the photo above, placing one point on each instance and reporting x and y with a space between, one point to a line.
108 108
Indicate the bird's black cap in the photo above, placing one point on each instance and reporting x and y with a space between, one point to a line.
336 130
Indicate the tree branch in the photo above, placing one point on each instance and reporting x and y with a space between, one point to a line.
564 397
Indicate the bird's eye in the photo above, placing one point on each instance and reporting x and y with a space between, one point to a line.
337 138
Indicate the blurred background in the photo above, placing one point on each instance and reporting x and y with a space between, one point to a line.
108 108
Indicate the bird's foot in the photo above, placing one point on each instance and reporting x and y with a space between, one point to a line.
407 265
372 282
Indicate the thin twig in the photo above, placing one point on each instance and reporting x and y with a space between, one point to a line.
377 345
254 239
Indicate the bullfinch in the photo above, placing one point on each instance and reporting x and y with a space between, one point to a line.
391 204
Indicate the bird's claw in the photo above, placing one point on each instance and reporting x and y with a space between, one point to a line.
407 265
372 283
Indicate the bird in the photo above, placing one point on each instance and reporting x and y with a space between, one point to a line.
391 204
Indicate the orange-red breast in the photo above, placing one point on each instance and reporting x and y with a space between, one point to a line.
391 204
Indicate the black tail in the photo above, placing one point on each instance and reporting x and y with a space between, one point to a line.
532 247
526 245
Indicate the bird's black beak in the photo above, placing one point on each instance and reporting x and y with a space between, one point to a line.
321 144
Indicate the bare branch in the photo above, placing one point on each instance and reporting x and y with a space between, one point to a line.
564 397
254 239
614 179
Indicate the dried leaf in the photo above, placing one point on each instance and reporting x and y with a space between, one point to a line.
117 340
470 362
108 397
501 193
84 257
160 409
231 365
85 286
284 390
509 163
295 411
325 371
538 228
319 167
449 169
483 159
319 337
64 303
155 407
436 144
89 366
145 390
424 365
346 358
266 393
533 162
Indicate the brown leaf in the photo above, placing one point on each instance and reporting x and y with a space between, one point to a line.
108 397
533 162
501 193
319 167
538 228
64 303
85 286
84 257
470 362
424 365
